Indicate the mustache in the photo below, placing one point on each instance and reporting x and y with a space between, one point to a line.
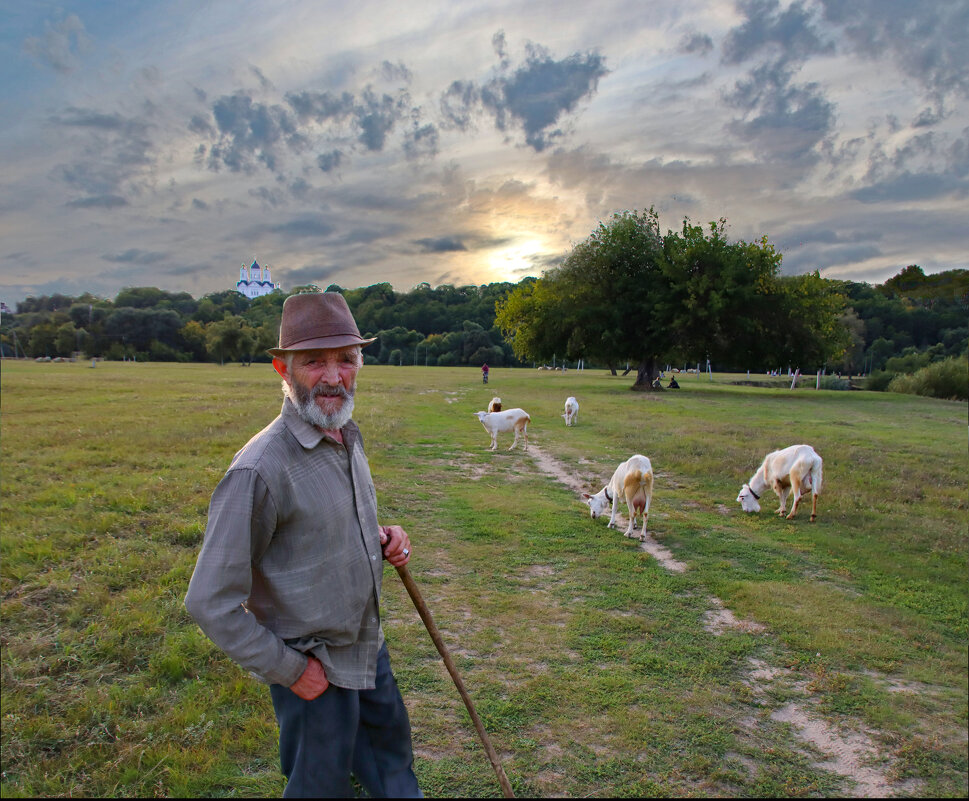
330 392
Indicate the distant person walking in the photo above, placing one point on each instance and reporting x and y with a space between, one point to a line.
484 373
287 582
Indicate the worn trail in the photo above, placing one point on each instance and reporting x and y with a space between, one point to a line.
853 755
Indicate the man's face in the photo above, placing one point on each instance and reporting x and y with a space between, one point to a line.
322 383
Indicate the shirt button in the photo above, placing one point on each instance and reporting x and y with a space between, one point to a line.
373 557
373 620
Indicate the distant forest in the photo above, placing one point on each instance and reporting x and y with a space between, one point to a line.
907 323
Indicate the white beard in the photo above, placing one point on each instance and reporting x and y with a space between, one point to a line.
309 411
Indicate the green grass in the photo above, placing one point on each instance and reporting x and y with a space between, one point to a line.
587 660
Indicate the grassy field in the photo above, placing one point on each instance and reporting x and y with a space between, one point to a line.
788 659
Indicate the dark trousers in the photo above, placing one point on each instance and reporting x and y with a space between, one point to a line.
364 732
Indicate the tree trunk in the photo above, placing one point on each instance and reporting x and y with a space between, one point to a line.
645 374
612 369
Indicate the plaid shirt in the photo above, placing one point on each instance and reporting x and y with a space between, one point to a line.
291 561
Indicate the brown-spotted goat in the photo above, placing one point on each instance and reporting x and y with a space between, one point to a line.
516 420
797 468
633 480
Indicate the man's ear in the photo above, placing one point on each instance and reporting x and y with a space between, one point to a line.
280 367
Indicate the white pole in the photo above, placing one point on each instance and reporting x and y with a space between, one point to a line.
818 385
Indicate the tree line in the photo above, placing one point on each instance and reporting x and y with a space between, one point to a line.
446 325
629 293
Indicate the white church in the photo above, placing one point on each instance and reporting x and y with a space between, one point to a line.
255 281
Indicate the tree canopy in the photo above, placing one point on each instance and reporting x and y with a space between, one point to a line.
628 292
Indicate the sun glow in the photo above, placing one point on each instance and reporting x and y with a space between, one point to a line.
514 262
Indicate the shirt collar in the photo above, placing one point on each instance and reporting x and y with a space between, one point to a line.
310 436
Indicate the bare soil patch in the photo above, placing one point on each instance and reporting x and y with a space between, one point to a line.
718 619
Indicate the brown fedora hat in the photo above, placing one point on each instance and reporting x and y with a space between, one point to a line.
315 320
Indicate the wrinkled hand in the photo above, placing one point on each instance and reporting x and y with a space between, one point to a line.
313 682
396 545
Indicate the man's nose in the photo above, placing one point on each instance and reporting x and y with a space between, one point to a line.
330 374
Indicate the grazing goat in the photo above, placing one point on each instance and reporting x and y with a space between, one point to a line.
495 405
516 420
634 480
797 468
571 411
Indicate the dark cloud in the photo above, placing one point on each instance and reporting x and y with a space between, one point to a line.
358 235
376 117
320 106
200 125
89 118
537 94
927 118
911 187
445 244
373 115
98 202
696 43
199 205
135 256
789 33
814 258
300 188
500 46
421 142
264 83
457 105
329 161
251 132
303 227
926 40
61 45
395 72
782 120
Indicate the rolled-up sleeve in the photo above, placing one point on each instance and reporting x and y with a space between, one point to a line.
241 523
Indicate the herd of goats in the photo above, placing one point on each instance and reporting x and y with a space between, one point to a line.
794 470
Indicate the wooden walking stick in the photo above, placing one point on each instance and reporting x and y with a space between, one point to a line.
425 613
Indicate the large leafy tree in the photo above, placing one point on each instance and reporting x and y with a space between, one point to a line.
629 293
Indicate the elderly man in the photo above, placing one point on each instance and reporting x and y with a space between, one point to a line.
288 578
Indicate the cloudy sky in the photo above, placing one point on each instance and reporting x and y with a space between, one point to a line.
165 142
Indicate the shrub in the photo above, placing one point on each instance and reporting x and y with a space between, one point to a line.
946 379
879 380
835 382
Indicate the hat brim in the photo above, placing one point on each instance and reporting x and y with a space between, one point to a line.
322 343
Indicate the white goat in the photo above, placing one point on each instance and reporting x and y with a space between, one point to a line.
634 480
494 405
571 410
516 420
797 468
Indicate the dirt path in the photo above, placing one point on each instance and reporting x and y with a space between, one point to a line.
573 481
853 755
